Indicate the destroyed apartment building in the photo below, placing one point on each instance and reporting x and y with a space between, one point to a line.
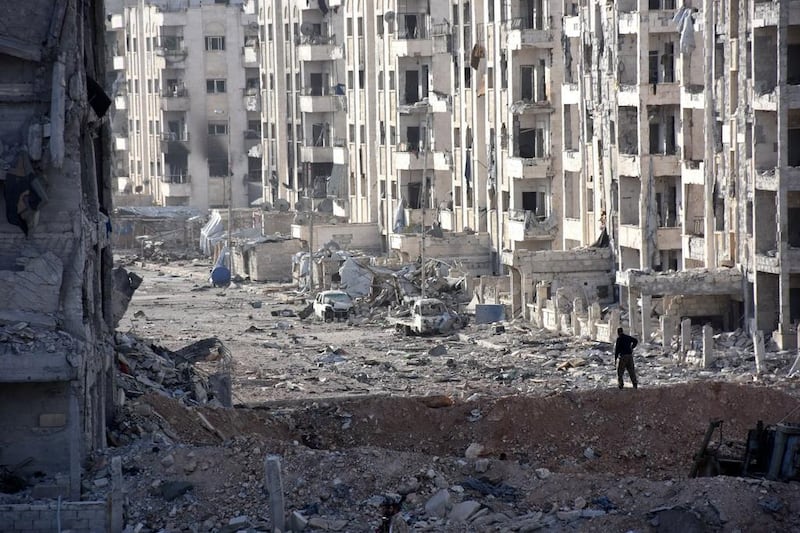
56 359
661 130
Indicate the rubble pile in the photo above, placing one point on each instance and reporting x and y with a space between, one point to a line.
145 367
501 427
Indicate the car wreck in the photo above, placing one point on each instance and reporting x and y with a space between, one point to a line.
427 316
333 305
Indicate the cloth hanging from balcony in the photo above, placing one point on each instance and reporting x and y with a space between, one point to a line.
323 6
478 52
683 19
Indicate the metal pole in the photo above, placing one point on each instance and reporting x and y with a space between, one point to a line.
230 195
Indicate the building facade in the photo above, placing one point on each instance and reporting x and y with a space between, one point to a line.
188 117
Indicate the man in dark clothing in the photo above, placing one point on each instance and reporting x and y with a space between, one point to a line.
623 357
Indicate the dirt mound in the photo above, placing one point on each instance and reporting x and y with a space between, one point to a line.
648 433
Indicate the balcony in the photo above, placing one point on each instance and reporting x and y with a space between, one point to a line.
521 33
328 103
693 97
118 63
660 21
665 164
327 153
630 236
694 247
120 144
115 22
629 23
529 106
406 158
628 165
766 101
318 48
175 143
693 172
767 179
120 103
176 99
628 95
176 185
174 57
765 262
662 93
528 226
414 217
413 38
250 56
668 238
569 93
251 100
528 167
571 161
766 14
572 26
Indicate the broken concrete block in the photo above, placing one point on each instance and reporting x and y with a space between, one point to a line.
124 285
462 512
438 504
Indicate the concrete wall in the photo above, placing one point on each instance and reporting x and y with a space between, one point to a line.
77 517
268 261
273 222
71 284
347 236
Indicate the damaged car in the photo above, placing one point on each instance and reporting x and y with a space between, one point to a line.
333 305
428 316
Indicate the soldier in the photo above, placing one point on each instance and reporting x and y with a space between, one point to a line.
623 357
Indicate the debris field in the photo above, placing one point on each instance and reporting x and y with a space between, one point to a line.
486 429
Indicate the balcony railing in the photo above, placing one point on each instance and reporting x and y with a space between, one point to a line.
171 136
524 23
315 39
338 89
418 30
176 178
175 92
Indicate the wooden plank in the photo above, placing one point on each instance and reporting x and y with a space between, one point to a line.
17 48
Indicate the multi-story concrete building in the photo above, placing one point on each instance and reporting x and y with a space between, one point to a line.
684 149
191 97
56 359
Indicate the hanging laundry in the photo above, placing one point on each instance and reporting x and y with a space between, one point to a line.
685 22
468 170
323 6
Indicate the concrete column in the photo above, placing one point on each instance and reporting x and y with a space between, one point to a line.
557 312
541 297
646 309
117 519
274 485
577 312
758 347
796 365
633 312
667 330
686 336
708 345
613 324
594 317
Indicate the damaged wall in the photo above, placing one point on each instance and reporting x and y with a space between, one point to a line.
266 261
55 254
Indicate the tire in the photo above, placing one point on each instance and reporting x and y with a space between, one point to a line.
329 315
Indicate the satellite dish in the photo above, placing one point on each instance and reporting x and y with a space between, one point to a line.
388 17
306 28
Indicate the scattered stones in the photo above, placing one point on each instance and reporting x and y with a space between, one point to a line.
438 504
461 512
474 451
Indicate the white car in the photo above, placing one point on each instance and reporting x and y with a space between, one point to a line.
333 305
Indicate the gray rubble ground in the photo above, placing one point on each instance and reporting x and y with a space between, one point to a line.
184 473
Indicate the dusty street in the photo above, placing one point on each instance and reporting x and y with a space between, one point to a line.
518 431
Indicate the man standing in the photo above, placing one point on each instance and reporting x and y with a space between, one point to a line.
623 357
